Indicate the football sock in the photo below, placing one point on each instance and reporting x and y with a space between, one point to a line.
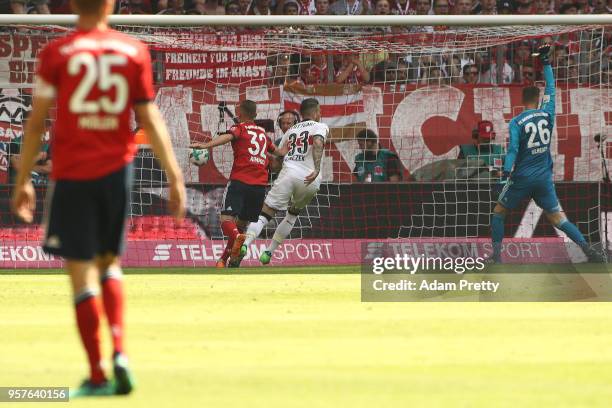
88 322
497 234
282 231
255 229
231 231
112 296
572 232
228 249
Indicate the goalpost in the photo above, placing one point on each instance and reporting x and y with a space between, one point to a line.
405 82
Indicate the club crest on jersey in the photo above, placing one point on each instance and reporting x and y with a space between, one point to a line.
378 171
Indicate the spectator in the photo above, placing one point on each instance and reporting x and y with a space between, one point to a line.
432 75
285 120
245 6
452 67
488 67
159 5
440 7
350 7
209 7
283 123
571 8
352 71
60 6
600 7
37 6
291 8
316 72
232 8
573 76
375 164
543 7
560 55
423 7
307 7
470 74
525 7
136 7
505 7
174 7
522 52
584 7
527 74
279 65
382 7
260 8
42 169
463 7
402 8
401 75
384 71
488 7
481 147
322 7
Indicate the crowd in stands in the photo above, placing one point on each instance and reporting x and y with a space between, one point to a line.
577 59
321 7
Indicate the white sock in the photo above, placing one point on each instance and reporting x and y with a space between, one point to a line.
255 229
282 231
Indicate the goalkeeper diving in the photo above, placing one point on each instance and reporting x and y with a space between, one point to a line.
528 166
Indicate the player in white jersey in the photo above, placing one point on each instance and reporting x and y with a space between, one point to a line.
298 181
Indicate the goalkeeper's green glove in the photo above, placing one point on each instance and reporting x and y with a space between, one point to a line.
544 53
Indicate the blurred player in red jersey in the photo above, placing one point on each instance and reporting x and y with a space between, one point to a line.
96 76
246 190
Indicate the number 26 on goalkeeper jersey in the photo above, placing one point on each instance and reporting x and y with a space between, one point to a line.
531 136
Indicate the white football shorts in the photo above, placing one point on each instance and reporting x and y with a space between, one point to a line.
290 189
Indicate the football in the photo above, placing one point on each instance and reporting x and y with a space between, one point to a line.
199 157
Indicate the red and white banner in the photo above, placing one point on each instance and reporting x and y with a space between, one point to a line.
341 106
221 67
305 252
422 124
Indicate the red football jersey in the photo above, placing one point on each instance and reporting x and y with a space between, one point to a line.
97 76
250 146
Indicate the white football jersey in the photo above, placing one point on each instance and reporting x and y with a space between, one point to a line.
300 138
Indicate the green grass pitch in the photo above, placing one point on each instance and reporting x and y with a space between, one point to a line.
302 338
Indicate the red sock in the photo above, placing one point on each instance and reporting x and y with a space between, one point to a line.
228 248
230 229
112 295
88 321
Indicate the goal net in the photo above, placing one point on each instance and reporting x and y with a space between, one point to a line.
418 120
